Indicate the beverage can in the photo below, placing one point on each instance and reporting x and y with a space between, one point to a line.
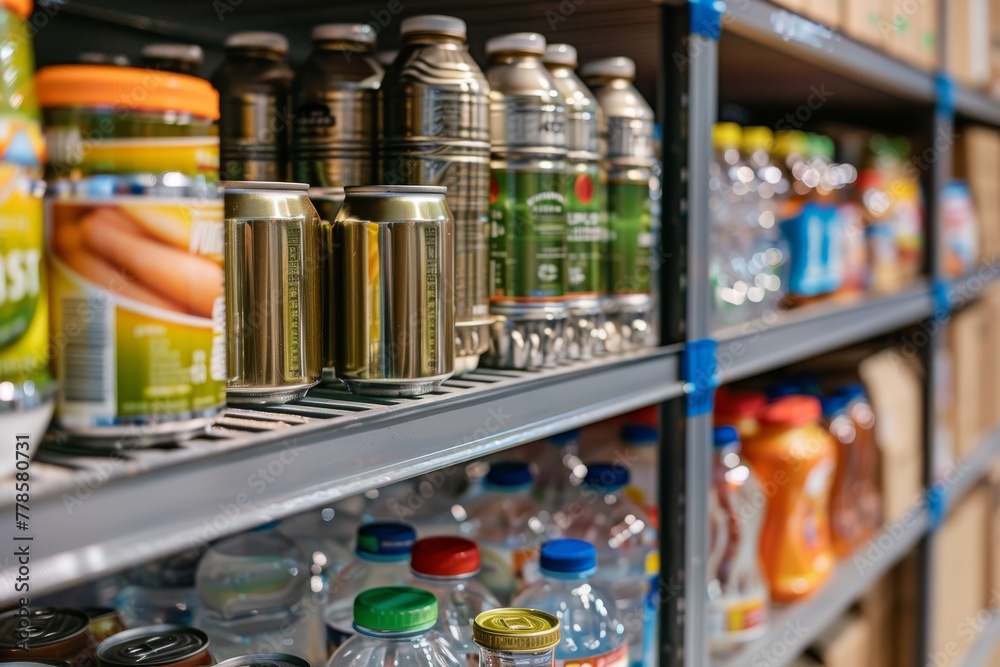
157 646
46 634
327 202
335 108
272 291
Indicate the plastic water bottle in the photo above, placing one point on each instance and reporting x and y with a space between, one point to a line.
395 626
447 566
625 542
258 596
640 442
737 593
324 536
161 592
504 521
559 469
382 558
591 634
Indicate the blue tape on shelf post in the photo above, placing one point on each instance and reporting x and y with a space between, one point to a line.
706 17
941 296
945 89
700 375
937 505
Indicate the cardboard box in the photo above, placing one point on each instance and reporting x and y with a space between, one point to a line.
977 161
794 5
844 644
959 590
824 12
968 334
861 20
926 41
890 610
895 388
968 42
993 552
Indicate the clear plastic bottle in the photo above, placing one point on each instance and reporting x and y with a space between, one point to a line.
382 557
447 566
395 626
729 187
559 468
161 592
591 635
737 592
768 251
640 440
504 521
625 542
512 637
256 597
324 536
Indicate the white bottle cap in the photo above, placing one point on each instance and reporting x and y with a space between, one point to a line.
436 24
258 39
617 68
362 33
518 42
560 54
188 53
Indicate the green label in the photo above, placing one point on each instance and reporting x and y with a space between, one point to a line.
586 234
629 225
527 234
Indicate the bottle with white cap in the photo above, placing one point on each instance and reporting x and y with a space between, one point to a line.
587 227
528 269
253 81
628 159
435 115
168 57
335 108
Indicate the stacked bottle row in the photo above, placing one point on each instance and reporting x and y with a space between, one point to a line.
790 225
573 539
795 486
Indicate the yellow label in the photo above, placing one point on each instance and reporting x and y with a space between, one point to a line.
138 308
24 317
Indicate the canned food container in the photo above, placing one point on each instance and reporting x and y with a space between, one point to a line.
265 660
327 202
48 634
628 160
272 291
26 390
156 646
528 233
135 250
586 220
435 111
394 301
254 83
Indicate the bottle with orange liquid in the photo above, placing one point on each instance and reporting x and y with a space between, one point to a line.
794 456
739 408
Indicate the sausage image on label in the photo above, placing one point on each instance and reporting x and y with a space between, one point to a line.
102 274
161 223
189 281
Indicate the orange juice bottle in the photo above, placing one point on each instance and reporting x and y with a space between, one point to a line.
794 456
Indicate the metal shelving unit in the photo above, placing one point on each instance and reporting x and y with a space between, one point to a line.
254 466
985 645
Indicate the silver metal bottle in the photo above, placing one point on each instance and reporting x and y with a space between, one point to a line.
528 269
435 126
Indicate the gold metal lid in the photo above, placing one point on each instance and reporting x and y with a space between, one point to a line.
515 629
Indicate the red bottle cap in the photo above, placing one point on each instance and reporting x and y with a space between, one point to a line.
739 404
445 557
648 416
792 411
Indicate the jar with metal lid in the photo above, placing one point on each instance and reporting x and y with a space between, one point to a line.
135 249
515 637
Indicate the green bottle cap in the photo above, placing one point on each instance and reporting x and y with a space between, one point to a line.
395 609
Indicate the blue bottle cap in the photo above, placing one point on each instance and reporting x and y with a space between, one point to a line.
565 438
725 436
853 390
640 435
784 388
606 476
834 404
389 540
508 474
568 556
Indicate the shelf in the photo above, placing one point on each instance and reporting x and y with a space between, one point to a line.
976 106
93 515
985 645
805 621
803 40
973 468
780 338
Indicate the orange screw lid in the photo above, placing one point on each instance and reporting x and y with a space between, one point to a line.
20 7
792 411
125 87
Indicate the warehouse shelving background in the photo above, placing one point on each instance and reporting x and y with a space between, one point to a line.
101 512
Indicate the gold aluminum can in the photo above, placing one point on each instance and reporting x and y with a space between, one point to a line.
395 293
327 202
272 279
